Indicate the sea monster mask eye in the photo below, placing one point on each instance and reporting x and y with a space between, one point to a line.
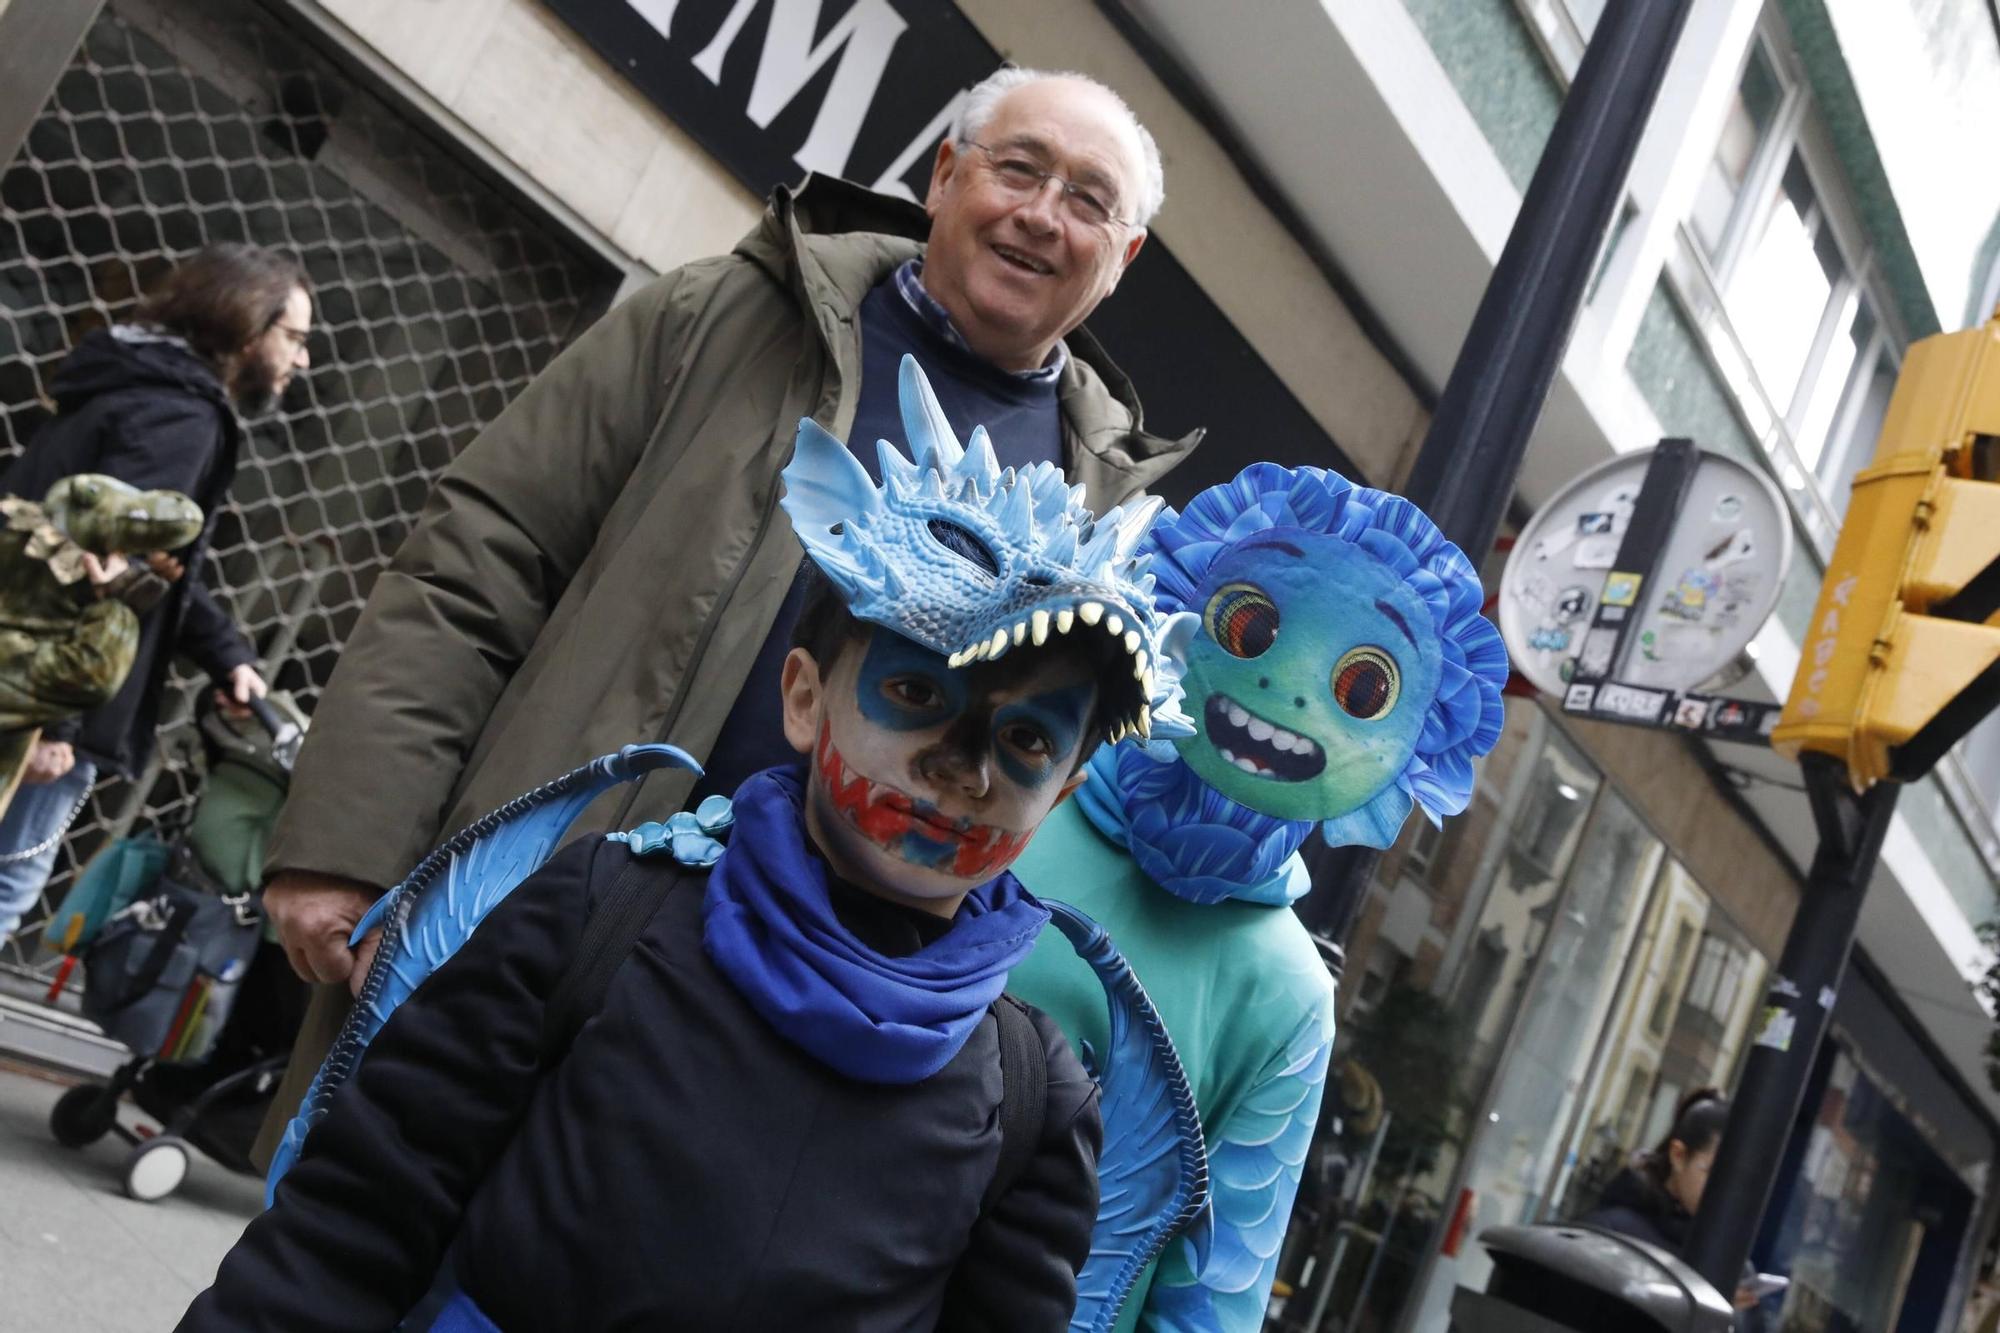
1241 620
1366 683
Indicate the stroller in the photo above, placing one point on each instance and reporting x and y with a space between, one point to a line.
179 966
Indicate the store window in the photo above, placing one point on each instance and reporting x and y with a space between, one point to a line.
1515 1158
1710 989
1873 1217
1504 1050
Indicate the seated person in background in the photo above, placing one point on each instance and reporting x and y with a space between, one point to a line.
786 1113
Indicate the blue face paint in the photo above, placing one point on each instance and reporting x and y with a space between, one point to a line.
904 686
1056 719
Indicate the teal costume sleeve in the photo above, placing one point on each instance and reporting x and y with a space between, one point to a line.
1256 1155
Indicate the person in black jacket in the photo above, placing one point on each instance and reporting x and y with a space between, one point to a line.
787 1111
1656 1197
154 403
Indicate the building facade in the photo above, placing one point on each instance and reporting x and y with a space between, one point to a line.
1529 991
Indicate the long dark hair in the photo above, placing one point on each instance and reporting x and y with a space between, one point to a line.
223 297
1698 1124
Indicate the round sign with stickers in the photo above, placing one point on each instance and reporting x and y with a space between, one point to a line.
1716 580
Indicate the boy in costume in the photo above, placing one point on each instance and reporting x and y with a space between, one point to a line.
786 1110
1342 673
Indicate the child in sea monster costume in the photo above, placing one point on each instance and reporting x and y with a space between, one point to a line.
778 1109
1342 674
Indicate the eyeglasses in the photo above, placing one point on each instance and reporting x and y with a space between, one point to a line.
298 337
1022 176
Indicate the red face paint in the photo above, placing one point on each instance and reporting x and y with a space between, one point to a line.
910 829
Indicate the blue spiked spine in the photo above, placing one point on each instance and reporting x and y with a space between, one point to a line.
971 560
1153 1171
428 916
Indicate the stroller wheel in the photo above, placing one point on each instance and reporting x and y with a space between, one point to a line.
83 1115
156 1168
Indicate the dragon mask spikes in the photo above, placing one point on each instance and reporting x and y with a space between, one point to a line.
971 560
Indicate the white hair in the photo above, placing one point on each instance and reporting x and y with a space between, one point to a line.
984 98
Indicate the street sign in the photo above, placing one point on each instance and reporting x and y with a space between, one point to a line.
1565 603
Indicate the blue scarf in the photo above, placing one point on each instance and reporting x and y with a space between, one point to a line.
770 928
1189 838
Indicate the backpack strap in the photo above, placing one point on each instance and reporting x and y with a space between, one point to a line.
1024 1095
614 925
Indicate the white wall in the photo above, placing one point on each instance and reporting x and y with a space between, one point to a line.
1246 262
520 79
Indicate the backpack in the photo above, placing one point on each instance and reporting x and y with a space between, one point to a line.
621 917
1154 1167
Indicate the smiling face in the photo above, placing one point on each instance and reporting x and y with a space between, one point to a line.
1307 678
926 782
1017 271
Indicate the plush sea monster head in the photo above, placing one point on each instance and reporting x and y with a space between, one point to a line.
970 560
1342 671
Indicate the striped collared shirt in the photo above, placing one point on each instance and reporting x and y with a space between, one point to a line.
910 282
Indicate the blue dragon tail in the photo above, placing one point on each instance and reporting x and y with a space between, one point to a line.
1153 1173
428 916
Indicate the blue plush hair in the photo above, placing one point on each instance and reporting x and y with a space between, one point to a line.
1465 716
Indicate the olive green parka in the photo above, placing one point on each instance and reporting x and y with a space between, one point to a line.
602 563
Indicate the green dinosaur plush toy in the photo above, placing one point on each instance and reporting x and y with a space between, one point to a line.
67 641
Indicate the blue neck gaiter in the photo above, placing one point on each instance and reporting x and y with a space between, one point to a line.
769 926
1189 838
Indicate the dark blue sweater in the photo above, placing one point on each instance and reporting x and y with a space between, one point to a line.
1020 415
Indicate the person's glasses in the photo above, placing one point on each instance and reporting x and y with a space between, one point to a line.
1024 176
297 337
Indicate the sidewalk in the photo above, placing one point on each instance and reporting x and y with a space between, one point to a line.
79 1256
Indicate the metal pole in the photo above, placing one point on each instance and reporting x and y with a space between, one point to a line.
1464 473
1796 1009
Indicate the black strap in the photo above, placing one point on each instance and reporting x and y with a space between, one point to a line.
1024 1095
180 915
614 925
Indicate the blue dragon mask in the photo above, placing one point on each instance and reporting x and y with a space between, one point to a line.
1342 673
972 561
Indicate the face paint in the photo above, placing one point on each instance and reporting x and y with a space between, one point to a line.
906 687
928 780
914 830
1057 720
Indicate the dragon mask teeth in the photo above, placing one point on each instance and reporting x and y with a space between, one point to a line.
972 560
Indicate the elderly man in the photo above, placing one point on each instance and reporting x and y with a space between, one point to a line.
607 562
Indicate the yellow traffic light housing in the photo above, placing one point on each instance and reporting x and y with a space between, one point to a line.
1900 662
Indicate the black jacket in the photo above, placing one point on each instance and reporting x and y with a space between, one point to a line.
153 414
684 1167
1634 1206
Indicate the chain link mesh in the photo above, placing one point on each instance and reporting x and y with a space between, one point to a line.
186 122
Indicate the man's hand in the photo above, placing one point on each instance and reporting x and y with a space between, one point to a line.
47 761
243 685
166 566
314 915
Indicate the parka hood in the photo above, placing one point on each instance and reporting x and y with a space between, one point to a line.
127 356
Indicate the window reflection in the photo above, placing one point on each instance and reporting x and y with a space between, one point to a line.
1778 292
1750 116
1528 991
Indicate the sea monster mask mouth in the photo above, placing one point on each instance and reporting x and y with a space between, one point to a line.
1260 748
